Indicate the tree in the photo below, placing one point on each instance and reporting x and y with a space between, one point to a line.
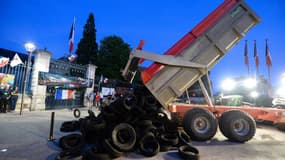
113 56
87 49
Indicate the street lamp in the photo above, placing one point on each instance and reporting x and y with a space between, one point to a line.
30 48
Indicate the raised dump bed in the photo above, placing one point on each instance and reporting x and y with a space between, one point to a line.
206 44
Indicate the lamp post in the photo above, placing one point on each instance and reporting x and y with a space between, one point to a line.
30 48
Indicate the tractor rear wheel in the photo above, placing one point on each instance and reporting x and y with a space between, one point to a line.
200 124
237 126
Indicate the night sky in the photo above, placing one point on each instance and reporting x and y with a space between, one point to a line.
159 23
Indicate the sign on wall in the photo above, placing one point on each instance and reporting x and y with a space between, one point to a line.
63 81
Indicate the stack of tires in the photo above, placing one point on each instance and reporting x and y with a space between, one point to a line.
128 124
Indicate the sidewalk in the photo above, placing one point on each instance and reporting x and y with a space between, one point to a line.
25 137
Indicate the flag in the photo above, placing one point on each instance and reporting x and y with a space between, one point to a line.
4 61
246 55
256 55
63 94
71 36
101 79
267 55
71 58
16 61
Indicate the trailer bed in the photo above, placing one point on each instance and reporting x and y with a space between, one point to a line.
206 44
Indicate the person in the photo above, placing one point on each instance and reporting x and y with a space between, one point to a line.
97 99
73 96
14 98
90 98
5 97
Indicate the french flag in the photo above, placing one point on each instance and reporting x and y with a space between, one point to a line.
71 36
63 94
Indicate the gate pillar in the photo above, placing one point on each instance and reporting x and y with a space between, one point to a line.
90 74
41 63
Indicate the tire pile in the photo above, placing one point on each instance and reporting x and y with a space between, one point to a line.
129 124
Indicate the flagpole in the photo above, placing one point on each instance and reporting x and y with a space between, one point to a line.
269 63
246 57
256 60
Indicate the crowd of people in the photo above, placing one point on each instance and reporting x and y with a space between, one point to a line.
8 98
98 100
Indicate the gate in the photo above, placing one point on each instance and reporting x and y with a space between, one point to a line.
66 69
15 76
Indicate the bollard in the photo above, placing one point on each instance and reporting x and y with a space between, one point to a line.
51 138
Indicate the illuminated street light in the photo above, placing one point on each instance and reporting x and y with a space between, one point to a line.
254 94
228 84
30 48
250 83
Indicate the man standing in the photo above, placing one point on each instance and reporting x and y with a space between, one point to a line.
14 98
90 98
5 97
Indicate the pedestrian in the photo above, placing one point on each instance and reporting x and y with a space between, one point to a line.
97 99
73 98
14 98
90 98
5 98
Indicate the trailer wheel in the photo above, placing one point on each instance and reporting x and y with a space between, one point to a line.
280 126
76 113
200 124
237 125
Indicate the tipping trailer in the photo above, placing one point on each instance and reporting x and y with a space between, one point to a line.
192 57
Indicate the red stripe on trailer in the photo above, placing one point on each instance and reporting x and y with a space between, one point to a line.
185 41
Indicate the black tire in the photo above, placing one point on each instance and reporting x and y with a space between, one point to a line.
124 137
76 113
113 152
70 126
169 139
129 101
95 126
68 155
280 126
148 145
188 152
91 114
72 142
200 124
184 138
237 125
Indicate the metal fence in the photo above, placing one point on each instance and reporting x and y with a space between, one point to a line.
19 76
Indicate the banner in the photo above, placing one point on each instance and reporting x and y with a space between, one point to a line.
108 91
63 81
6 79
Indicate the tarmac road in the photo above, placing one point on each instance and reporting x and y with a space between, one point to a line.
25 137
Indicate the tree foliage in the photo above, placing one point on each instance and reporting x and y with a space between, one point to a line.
87 49
113 55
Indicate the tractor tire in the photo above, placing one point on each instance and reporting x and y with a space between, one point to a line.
237 125
200 124
280 126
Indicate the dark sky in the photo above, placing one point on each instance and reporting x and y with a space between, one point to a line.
159 23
